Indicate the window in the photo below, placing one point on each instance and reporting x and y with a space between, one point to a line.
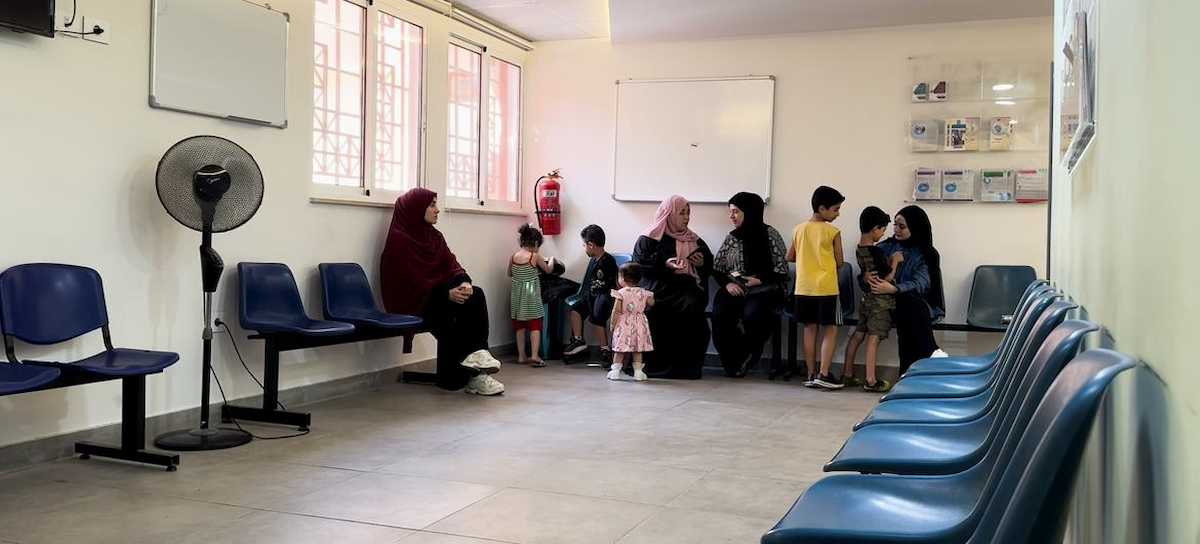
494 180
504 133
462 148
354 82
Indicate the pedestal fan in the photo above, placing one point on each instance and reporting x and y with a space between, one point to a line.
211 185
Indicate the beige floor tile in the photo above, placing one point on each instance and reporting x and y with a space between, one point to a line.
673 526
740 495
272 527
615 479
437 538
389 499
496 469
533 517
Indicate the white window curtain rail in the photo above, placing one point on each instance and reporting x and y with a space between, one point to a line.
478 23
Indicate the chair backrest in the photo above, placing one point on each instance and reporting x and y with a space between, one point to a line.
345 290
46 303
995 292
1031 498
267 291
1017 337
622 258
846 289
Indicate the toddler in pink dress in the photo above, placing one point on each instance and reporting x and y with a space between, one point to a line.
631 330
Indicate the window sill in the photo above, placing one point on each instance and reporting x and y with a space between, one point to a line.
485 211
350 201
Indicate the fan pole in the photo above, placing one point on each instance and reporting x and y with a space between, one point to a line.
204 437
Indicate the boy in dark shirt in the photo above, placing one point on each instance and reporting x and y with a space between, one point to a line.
594 300
875 311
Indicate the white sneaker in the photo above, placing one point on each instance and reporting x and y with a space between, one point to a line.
484 385
482 360
615 374
639 376
939 354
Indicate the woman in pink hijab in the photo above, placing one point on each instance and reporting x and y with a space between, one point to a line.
676 265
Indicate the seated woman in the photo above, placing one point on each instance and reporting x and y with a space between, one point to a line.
917 285
676 265
420 276
751 268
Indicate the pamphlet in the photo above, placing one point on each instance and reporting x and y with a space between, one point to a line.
925 135
958 185
1032 186
996 186
920 92
1000 138
928 185
962 134
939 92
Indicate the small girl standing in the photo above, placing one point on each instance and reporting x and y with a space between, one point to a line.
526 300
631 330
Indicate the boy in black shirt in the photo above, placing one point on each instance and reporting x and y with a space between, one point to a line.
875 311
593 300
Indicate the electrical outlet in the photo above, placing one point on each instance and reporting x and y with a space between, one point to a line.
68 31
96 30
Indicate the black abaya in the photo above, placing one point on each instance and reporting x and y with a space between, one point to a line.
757 314
914 330
678 325
460 329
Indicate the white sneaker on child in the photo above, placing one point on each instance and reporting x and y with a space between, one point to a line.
939 354
639 376
615 373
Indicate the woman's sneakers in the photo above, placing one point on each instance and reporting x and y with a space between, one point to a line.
482 361
485 385
939 354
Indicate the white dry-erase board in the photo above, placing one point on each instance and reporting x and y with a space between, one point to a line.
705 139
221 58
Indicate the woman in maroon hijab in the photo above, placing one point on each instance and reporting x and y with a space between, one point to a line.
420 276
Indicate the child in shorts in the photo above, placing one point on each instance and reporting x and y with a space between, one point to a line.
875 310
817 251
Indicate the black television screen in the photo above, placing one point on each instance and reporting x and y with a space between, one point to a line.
35 16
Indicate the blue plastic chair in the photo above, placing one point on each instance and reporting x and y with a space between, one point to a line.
269 302
995 291
1022 481
17 378
965 385
968 364
348 298
622 258
958 409
941 448
45 303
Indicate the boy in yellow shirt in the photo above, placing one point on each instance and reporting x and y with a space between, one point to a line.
817 251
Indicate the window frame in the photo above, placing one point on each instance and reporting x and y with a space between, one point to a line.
369 192
471 39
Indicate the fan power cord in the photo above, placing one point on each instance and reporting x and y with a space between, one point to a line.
225 400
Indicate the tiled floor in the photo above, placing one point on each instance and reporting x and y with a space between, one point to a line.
565 456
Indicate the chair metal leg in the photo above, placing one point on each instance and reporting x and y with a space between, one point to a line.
133 431
270 412
776 346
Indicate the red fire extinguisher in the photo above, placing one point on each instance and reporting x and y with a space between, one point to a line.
546 202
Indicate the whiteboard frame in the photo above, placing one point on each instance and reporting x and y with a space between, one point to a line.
770 136
153 98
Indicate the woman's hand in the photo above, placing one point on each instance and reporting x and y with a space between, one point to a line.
880 287
675 263
697 259
734 289
752 281
460 294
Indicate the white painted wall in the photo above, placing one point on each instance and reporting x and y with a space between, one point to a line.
1121 227
79 147
841 115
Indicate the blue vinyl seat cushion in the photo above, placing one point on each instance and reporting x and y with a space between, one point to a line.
119 362
15 378
270 303
348 298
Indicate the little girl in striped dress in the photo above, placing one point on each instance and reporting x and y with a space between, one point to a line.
631 330
526 300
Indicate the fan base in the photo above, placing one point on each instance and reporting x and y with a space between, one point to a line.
202 439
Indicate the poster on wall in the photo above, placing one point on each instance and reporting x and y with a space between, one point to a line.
1077 76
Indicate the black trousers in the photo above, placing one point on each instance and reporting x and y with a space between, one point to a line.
741 325
460 329
914 331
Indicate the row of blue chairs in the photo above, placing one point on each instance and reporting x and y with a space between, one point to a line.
968 449
46 304
269 304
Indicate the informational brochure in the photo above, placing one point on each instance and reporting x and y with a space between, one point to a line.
920 92
996 186
928 185
1000 135
925 135
958 185
1032 185
939 92
962 134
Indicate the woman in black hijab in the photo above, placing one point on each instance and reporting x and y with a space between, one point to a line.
920 301
751 268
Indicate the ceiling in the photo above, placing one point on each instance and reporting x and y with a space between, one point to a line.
680 20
